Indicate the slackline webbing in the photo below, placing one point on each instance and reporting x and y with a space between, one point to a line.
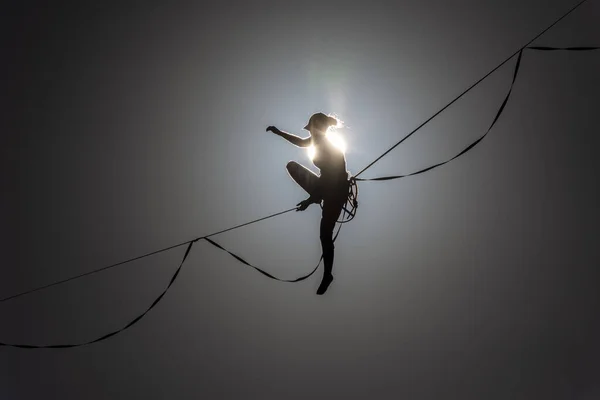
115 332
159 298
262 271
498 113
239 258
14 296
466 149
469 88
563 48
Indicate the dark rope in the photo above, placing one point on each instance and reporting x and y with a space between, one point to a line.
563 48
355 177
351 206
469 147
262 271
469 88
115 332
351 203
500 110
265 273
160 297
140 257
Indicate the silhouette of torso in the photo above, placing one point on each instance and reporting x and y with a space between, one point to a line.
331 162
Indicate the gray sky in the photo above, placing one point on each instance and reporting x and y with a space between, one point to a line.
126 129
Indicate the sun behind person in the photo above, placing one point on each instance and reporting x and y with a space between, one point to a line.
326 150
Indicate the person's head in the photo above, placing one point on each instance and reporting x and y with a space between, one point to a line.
319 123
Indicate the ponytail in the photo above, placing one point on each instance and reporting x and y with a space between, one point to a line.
331 121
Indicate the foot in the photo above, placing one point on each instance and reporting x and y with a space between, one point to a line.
327 279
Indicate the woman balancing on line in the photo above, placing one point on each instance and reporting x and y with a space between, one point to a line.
331 187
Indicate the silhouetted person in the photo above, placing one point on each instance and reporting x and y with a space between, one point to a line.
331 186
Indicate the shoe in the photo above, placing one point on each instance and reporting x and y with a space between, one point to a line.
327 279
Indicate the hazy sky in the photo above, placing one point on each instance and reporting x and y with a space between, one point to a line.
129 128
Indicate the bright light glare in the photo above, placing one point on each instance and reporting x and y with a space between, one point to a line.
337 140
311 152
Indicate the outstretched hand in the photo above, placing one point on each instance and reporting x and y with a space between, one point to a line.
273 129
303 205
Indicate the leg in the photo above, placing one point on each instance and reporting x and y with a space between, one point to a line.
303 176
331 212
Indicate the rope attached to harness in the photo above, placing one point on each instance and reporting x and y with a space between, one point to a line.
351 206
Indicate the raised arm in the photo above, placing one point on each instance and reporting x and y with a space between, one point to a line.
293 139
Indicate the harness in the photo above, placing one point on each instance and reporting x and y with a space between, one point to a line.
350 207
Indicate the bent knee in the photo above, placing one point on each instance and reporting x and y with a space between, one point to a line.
292 166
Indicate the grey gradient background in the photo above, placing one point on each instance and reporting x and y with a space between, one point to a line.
132 127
